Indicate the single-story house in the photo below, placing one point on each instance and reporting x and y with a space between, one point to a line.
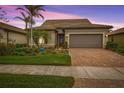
77 33
117 36
12 34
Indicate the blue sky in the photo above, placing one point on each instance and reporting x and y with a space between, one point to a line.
114 14
99 14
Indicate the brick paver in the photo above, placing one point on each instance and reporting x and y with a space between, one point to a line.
95 57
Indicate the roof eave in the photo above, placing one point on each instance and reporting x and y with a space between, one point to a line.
115 33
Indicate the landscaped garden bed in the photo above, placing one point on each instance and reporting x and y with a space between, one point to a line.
13 54
114 47
34 81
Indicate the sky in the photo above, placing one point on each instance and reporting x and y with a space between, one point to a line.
98 14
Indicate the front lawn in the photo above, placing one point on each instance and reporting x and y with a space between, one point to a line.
44 59
34 81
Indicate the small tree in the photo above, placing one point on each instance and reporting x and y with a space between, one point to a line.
37 34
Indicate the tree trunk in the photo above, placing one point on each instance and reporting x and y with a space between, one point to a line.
26 26
31 32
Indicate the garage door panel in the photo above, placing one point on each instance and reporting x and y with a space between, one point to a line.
85 41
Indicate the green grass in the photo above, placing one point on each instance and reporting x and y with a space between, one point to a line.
34 81
45 59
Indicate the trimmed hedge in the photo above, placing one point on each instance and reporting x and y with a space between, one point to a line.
111 45
120 50
114 47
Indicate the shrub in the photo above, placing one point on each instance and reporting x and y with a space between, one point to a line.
19 53
17 50
20 45
120 50
65 46
111 45
6 49
11 46
3 49
25 51
35 50
64 51
51 51
28 50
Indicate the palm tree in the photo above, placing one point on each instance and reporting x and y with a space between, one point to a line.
32 11
26 20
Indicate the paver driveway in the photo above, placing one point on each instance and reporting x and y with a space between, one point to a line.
95 57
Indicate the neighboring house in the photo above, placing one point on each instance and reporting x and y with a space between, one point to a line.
78 33
117 36
11 34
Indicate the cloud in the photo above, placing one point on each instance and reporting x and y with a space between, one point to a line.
9 7
47 15
57 15
51 15
115 25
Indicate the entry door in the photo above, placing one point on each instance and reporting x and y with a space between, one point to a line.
61 39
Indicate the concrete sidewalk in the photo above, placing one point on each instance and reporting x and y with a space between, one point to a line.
74 71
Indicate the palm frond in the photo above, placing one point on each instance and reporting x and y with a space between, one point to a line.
24 16
20 9
40 8
20 18
41 16
23 9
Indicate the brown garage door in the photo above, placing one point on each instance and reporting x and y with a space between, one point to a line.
85 41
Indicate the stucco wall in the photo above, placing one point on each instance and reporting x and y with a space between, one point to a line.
51 38
3 33
87 31
19 38
118 38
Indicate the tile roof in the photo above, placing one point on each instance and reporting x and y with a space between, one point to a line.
70 23
118 31
11 28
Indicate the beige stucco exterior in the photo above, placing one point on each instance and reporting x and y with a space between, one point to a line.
117 38
87 31
4 34
18 38
51 39
103 32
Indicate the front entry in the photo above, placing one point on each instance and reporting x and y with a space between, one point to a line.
60 40
60 34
